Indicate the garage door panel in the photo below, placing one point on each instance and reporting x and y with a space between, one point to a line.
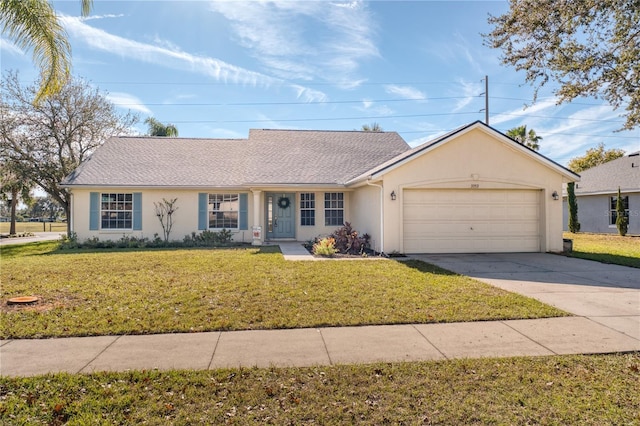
465 221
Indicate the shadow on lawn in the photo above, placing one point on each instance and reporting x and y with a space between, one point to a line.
615 259
421 266
267 249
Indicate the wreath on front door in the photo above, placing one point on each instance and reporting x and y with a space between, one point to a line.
283 202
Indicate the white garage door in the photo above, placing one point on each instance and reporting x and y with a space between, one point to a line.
471 221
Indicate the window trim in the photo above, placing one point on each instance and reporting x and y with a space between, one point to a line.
116 210
329 206
308 206
226 198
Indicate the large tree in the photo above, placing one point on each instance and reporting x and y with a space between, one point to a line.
33 25
48 140
156 128
594 157
530 138
588 47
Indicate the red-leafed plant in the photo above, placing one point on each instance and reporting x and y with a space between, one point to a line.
348 241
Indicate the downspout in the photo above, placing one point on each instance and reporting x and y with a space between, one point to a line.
381 214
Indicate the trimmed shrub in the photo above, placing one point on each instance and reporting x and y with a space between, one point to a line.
325 247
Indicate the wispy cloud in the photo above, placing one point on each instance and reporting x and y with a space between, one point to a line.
9 47
376 108
105 16
406 92
469 91
128 101
523 112
456 49
177 59
573 135
304 40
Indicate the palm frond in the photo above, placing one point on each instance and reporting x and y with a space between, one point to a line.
33 24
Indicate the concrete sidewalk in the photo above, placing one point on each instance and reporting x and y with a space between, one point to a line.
308 347
606 299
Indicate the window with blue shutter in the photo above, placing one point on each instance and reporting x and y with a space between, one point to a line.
137 211
244 212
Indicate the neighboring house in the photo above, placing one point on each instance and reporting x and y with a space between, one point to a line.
471 190
597 194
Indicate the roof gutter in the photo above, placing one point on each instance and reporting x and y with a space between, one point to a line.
381 214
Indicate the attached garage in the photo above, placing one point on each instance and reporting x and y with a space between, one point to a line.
471 220
472 190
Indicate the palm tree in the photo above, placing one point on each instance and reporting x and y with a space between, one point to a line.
156 128
373 127
520 135
33 25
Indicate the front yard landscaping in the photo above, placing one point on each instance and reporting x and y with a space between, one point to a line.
103 292
558 390
606 248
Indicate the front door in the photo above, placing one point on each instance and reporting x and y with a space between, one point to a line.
281 207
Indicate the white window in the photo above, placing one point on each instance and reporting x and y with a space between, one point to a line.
613 209
334 208
223 211
116 210
307 209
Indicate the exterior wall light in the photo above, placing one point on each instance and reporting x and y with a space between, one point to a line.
555 195
393 195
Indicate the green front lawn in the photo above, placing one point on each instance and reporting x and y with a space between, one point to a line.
559 390
606 248
157 291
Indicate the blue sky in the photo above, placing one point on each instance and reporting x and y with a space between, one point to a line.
219 68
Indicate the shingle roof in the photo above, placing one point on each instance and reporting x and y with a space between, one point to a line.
285 156
266 157
623 172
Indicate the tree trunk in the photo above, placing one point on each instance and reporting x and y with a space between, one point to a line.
14 201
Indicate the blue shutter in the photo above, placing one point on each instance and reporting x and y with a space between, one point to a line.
94 211
137 211
203 202
244 211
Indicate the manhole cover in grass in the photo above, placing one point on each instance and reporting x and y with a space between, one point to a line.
22 300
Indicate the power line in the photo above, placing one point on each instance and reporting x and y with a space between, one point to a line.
351 101
289 103
289 120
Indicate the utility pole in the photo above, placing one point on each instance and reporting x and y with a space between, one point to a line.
486 99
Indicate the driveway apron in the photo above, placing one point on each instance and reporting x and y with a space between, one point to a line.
606 294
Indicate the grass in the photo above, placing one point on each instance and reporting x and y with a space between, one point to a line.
156 291
606 248
22 227
585 390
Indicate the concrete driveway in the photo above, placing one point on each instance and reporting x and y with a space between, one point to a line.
606 294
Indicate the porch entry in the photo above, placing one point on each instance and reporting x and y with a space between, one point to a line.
280 214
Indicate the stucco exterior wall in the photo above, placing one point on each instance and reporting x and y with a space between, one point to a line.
475 160
365 217
308 233
186 217
593 214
